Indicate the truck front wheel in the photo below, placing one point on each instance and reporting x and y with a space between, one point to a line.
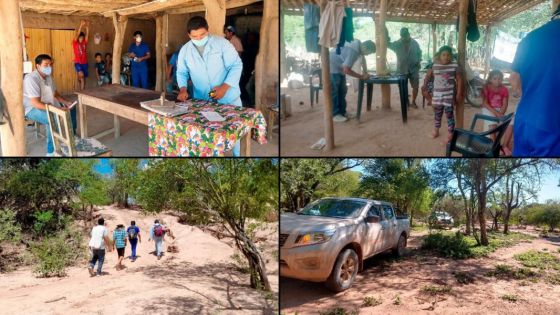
344 271
401 245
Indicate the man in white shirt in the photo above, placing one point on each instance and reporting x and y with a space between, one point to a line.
230 33
99 240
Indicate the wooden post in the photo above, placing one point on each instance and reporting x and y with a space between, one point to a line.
163 49
327 89
266 64
434 39
120 26
488 50
283 70
381 58
159 64
462 45
12 132
216 16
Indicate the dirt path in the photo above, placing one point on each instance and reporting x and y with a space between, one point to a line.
199 278
380 132
387 279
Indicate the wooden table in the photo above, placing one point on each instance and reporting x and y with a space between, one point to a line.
124 101
400 80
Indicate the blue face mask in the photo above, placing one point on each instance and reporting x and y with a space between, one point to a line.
200 42
46 70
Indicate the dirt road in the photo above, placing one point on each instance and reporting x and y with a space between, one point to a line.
199 278
398 284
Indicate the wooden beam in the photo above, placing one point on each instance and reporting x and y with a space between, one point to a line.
266 64
148 7
434 39
216 16
119 23
381 55
283 70
201 8
461 47
489 47
12 132
164 45
327 88
159 64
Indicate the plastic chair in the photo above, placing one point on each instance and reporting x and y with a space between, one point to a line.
472 144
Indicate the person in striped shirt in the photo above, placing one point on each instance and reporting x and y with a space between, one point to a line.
448 89
119 242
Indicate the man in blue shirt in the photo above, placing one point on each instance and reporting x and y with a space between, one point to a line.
212 63
536 72
139 52
133 237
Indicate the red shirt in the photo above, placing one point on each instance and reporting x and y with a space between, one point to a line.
495 98
80 52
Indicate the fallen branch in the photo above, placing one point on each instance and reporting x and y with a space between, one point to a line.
56 300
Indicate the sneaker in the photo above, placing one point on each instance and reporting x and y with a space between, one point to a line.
90 269
349 116
339 118
50 154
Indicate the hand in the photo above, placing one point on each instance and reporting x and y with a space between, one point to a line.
183 95
132 55
221 90
82 23
364 76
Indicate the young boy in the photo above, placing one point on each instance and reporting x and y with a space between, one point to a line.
119 241
79 43
448 88
100 72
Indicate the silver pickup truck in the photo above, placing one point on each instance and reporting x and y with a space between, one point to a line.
328 240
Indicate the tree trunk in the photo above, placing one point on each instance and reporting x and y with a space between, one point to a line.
506 221
468 228
482 219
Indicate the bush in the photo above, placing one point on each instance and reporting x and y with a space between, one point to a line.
53 254
370 301
10 230
536 259
454 246
45 222
508 272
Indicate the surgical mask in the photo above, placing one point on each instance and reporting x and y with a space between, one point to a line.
138 39
200 42
46 70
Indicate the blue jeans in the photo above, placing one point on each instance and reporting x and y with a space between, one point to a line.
159 245
338 92
40 116
133 243
140 77
99 257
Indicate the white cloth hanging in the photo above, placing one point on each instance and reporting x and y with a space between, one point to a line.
330 25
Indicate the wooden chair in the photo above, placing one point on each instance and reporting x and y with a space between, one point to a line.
65 144
472 144
315 88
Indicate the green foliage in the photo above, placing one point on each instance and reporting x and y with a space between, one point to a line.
434 290
537 259
544 214
338 311
10 230
370 301
54 253
343 184
510 297
454 246
507 272
45 222
463 277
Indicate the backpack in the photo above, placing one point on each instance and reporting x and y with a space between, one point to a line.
132 233
158 230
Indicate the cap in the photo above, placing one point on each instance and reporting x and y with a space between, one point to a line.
231 29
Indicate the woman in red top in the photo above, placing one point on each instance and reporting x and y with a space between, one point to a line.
80 54
495 98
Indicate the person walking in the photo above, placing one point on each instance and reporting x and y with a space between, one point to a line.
157 233
133 237
97 243
119 242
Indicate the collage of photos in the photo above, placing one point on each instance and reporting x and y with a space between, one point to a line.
280 157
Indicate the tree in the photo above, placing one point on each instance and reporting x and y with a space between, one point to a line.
229 192
125 174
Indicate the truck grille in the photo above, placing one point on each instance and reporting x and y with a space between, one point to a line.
283 238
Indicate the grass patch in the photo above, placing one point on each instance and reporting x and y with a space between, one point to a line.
419 228
434 290
338 311
510 298
536 259
397 300
458 246
240 264
370 301
463 277
508 272
553 278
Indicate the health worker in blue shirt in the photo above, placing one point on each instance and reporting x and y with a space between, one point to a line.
139 52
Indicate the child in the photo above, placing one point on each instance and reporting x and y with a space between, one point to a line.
495 98
448 87
100 70
109 65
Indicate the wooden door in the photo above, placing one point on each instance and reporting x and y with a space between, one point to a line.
38 41
64 74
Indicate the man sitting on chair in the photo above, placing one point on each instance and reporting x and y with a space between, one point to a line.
38 90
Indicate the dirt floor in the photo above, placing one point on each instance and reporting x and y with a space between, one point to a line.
380 132
386 279
134 137
200 278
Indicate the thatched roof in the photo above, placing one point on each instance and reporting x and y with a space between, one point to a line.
123 7
428 11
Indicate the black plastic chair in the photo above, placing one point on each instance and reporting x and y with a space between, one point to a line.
314 89
472 144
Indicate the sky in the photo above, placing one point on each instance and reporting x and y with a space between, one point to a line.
549 185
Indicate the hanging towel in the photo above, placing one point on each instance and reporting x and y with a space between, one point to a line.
311 18
347 33
330 25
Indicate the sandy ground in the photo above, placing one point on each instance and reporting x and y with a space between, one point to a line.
199 279
380 132
385 279
134 137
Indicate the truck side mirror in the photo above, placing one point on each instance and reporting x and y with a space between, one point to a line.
373 219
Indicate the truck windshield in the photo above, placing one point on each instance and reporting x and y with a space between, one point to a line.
335 208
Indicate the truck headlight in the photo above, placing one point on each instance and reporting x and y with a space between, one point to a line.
314 238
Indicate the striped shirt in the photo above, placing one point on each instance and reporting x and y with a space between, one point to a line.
444 84
119 235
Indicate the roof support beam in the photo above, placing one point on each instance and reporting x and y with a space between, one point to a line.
381 55
215 15
119 23
327 88
462 49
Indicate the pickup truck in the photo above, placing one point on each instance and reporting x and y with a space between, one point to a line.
440 219
328 240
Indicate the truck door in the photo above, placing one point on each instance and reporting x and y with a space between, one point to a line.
373 239
389 227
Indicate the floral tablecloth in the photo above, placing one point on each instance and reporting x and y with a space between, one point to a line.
192 134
